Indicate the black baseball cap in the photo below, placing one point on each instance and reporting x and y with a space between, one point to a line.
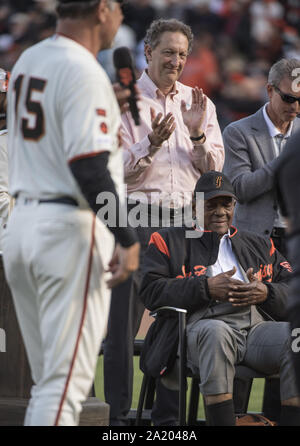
214 184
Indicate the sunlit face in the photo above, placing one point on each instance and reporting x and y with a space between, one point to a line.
218 214
167 60
284 111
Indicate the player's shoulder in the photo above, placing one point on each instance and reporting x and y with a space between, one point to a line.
73 54
30 54
65 60
64 53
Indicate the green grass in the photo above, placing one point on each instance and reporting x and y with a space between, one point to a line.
255 403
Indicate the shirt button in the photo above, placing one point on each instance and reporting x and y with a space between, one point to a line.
267 232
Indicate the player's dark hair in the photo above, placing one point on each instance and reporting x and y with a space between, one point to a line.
76 9
160 26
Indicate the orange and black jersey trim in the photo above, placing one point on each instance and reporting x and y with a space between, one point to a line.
174 270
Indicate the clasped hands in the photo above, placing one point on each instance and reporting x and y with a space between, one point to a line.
224 288
193 118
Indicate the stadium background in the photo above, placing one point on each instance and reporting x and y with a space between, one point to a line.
235 44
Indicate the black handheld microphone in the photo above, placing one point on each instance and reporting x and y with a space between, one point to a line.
126 77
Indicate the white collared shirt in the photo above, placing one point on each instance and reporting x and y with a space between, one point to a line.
275 132
227 259
171 172
279 221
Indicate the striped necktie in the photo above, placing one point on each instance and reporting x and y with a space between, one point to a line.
280 142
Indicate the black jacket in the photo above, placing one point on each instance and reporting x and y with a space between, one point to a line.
174 269
174 274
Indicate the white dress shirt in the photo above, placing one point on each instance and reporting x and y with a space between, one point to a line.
279 141
274 132
227 259
168 174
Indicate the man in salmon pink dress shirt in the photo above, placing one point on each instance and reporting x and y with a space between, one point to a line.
178 139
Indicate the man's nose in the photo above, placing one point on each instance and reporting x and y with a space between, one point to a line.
220 210
175 60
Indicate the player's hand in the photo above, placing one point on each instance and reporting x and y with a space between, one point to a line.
222 284
122 95
123 263
252 293
194 117
162 128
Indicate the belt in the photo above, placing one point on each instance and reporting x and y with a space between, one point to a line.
278 232
61 200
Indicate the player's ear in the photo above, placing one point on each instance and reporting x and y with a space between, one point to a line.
102 10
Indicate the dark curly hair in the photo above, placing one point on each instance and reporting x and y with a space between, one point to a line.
160 26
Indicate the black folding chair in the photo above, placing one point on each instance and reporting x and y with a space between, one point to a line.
242 383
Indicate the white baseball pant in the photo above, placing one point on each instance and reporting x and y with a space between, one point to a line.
54 257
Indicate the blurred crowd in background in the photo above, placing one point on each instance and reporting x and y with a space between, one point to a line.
235 42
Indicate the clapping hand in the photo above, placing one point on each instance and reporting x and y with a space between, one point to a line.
162 128
252 293
222 284
193 117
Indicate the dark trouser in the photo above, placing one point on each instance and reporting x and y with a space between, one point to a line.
294 302
118 351
125 317
272 387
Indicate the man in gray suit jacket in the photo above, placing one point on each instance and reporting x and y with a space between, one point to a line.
252 146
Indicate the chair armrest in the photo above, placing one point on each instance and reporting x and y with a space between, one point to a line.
160 310
181 312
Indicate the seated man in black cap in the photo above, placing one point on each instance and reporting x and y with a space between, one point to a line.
234 286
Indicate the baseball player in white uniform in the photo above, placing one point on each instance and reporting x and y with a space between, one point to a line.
63 151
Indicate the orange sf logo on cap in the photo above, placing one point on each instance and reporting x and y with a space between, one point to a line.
218 182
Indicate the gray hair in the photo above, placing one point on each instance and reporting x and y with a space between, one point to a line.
282 69
160 26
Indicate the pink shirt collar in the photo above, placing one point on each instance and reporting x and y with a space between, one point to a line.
151 88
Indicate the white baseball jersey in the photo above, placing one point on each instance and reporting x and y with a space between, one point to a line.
61 107
83 116
5 200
